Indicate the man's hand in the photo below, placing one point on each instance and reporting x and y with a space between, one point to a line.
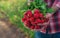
44 25
48 15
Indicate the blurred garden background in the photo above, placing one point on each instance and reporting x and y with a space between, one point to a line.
12 10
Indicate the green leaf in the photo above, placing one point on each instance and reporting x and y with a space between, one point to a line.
43 5
50 10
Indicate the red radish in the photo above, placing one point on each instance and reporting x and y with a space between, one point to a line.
36 15
32 27
28 13
28 25
37 27
23 19
32 19
41 15
36 11
42 21
38 20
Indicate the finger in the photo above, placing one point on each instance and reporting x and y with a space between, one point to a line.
40 24
43 28
43 24
36 29
46 23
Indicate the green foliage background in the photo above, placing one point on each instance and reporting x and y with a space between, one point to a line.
11 9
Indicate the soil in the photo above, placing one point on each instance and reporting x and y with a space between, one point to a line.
8 30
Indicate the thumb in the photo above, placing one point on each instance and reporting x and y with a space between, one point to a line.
48 15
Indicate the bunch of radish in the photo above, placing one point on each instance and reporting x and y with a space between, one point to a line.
33 19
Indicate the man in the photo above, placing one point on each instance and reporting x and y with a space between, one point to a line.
53 26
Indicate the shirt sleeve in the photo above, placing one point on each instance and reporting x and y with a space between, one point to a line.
58 4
